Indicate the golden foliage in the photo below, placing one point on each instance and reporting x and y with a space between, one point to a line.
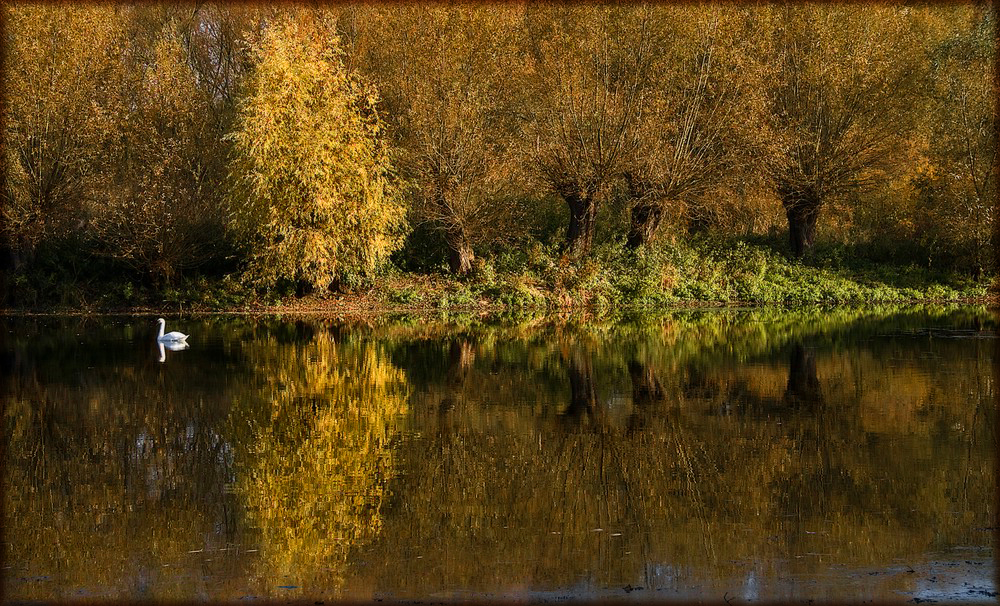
57 52
444 71
697 115
163 211
312 160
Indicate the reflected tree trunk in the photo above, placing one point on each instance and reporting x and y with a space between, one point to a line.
583 395
803 388
646 390
697 385
461 355
645 385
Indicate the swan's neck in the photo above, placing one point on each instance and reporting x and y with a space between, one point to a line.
162 325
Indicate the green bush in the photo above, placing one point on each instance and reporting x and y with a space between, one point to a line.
406 296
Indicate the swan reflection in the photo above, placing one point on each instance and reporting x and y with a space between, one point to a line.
172 346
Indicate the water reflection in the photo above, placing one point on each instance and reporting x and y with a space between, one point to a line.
172 346
763 455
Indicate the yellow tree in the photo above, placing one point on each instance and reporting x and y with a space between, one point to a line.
116 131
322 201
958 191
163 159
587 81
699 117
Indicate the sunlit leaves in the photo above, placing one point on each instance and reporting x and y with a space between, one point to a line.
445 73
163 161
839 103
116 144
54 58
313 162
957 190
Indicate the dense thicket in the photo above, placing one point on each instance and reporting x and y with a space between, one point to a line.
294 147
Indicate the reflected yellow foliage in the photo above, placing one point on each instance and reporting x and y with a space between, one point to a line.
317 465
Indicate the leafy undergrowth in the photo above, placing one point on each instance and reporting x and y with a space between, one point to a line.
696 272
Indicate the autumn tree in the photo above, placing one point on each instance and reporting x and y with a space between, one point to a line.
837 104
586 82
699 116
57 54
312 161
219 42
444 75
163 158
958 188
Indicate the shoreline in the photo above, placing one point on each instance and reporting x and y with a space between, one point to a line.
676 276
361 306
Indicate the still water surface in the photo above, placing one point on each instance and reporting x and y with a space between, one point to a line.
701 454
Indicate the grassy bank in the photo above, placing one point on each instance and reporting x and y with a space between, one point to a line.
696 272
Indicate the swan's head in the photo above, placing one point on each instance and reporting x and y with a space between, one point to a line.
162 321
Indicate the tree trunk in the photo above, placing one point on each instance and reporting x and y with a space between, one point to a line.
582 223
22 254
646 217
802 210
460 254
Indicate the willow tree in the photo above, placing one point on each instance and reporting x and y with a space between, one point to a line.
587 79
323 203
838 100
443 71
700 115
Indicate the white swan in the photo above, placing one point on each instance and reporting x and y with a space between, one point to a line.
170 336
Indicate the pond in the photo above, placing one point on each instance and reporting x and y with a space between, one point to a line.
716 454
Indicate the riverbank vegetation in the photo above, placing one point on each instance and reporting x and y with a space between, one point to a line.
518 155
